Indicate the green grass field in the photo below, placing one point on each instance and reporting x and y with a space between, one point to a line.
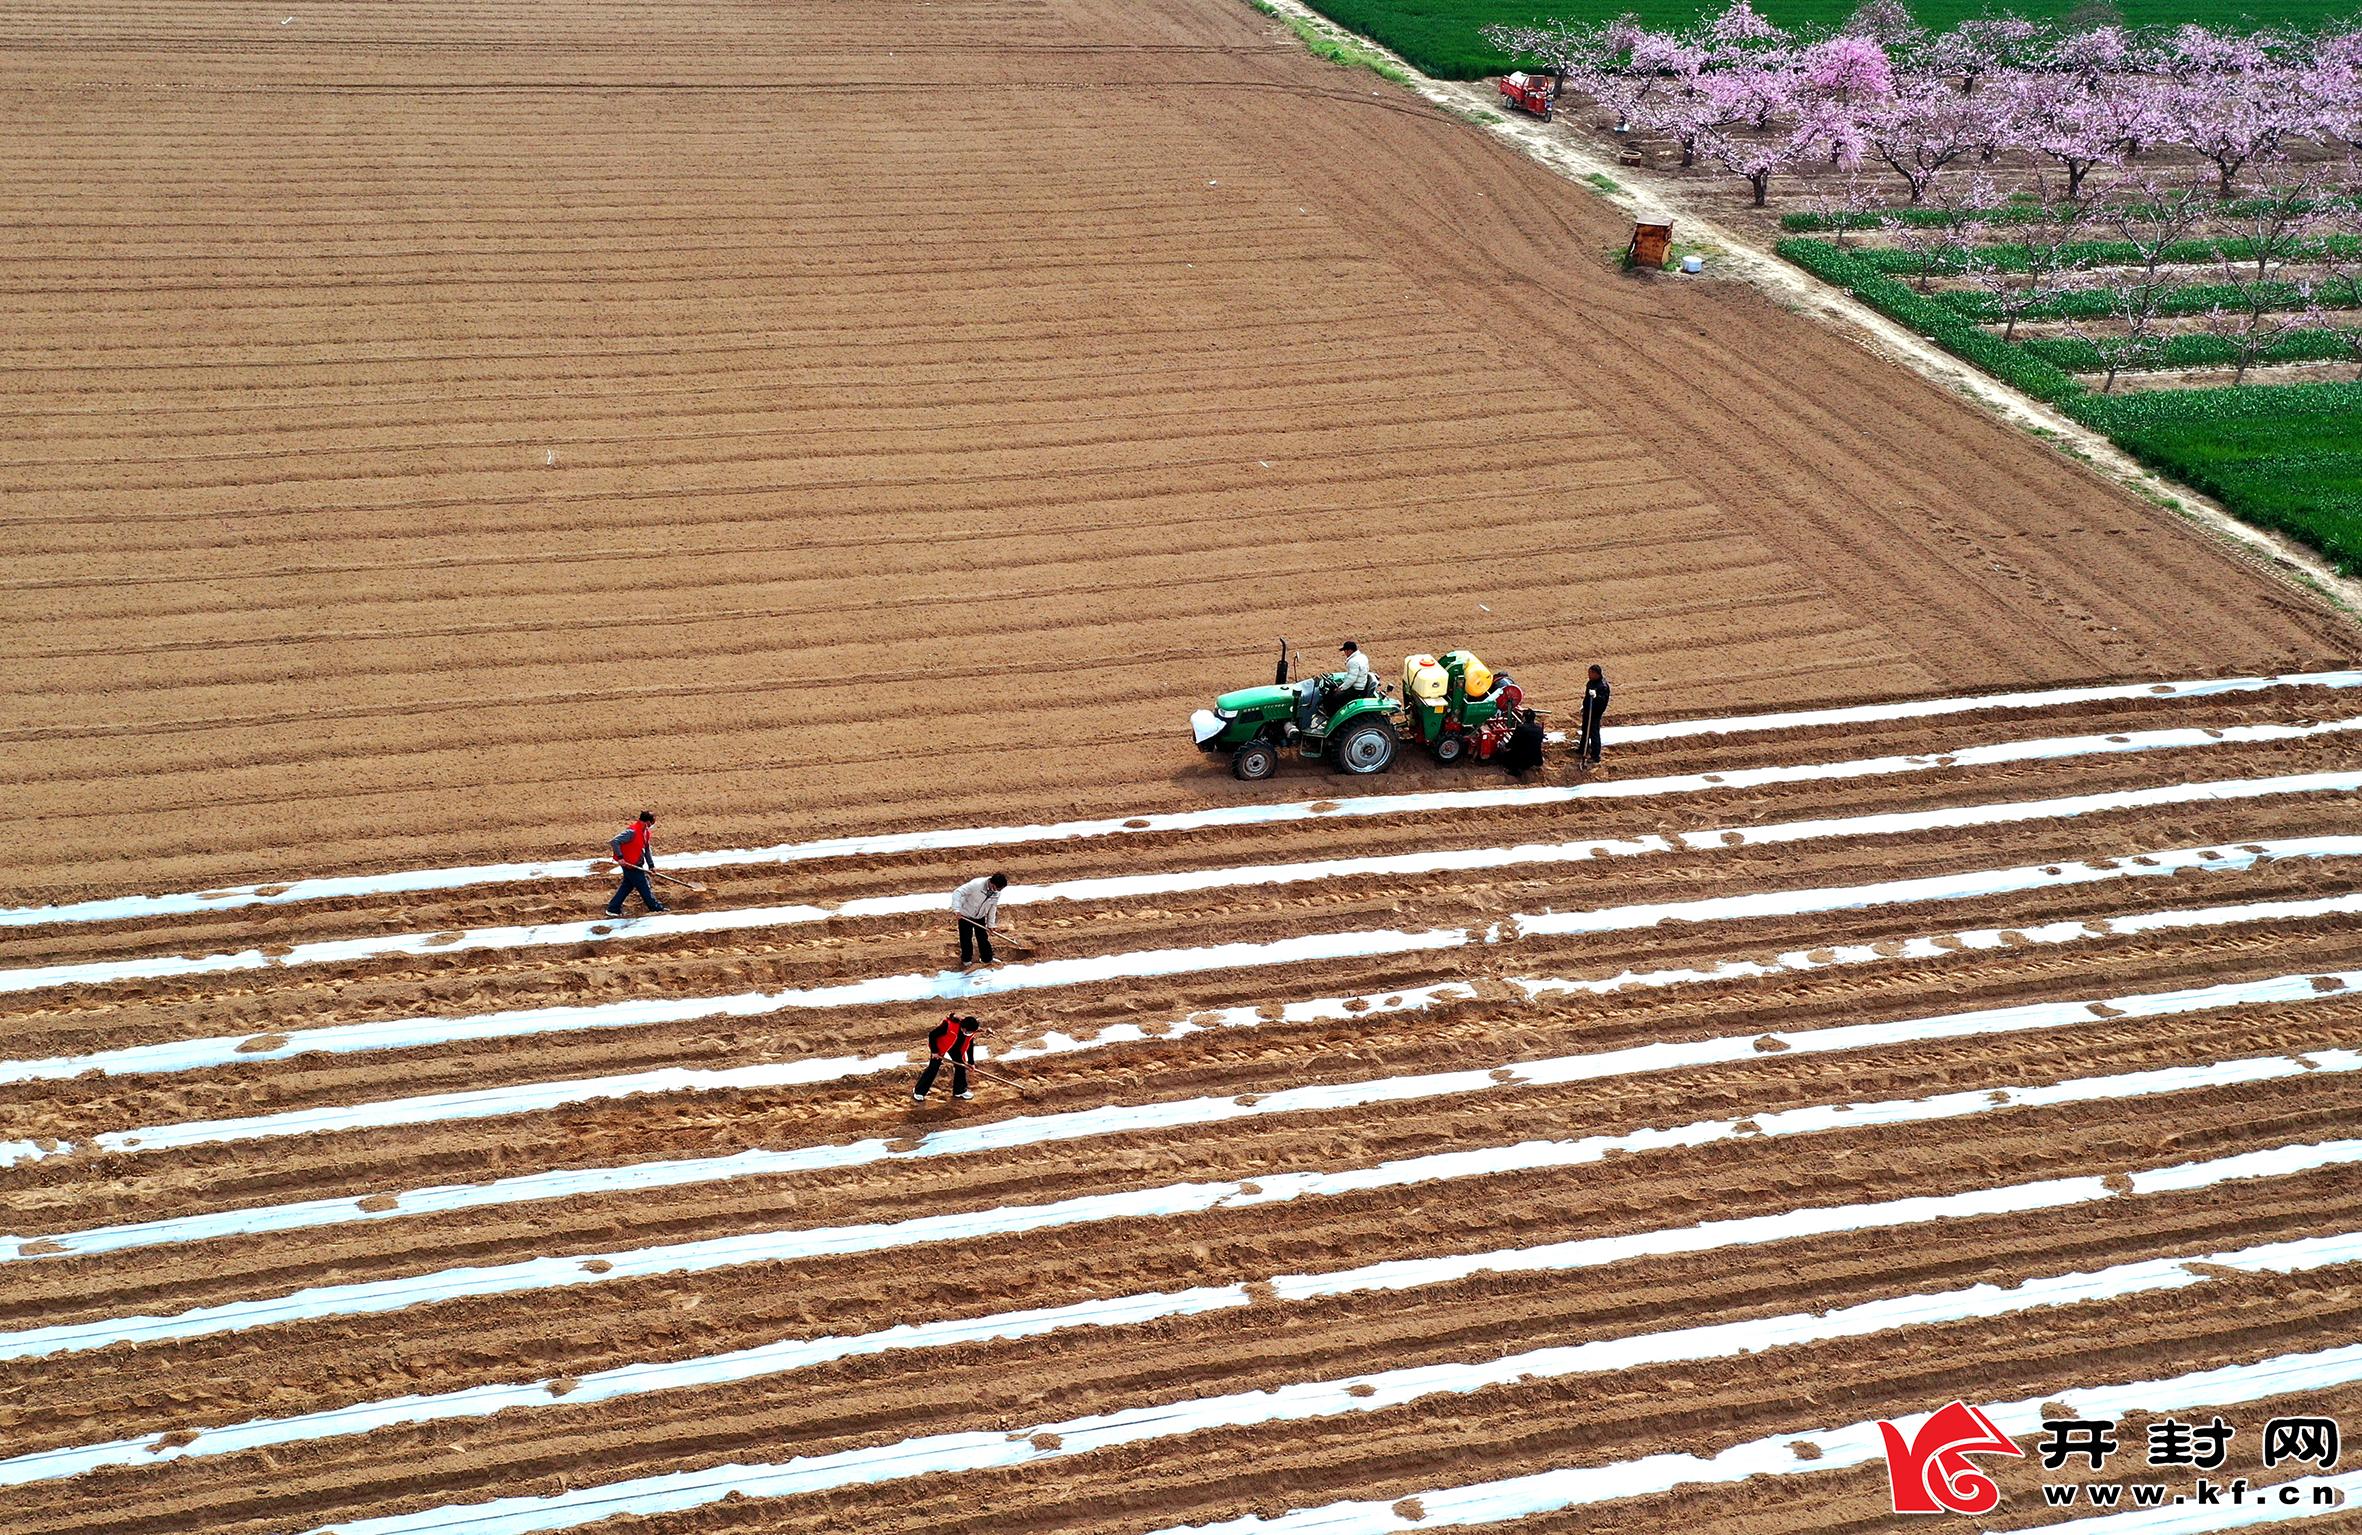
2286 457
1445 37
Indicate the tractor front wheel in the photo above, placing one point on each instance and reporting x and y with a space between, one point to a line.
1255 761
1364 749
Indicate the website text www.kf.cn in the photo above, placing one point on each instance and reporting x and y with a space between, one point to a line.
1931 1470
2202 1493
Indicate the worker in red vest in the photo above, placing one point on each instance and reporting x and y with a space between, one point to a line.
953 1040
635 850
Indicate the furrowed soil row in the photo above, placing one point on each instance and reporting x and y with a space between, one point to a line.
1530 861
1675 912
1810 749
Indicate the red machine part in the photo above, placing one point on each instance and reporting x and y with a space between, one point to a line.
1493 735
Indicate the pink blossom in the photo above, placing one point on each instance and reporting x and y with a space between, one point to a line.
1848 67
2094 55
1741 26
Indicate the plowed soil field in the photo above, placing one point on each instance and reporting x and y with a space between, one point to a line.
863 432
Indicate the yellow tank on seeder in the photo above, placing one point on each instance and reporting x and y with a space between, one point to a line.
1475 676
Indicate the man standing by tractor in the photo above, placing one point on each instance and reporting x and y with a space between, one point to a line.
978 904
1595 694
635 849
953 1040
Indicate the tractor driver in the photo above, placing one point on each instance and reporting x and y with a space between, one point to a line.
1357 671
1317 698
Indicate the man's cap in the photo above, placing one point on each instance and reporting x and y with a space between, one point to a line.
1347 646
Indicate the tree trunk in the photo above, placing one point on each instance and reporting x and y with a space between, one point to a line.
1761 181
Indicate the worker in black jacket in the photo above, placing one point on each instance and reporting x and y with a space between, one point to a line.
1594 710
953 1040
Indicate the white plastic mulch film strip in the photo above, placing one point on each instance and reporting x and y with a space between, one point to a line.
380 1297
128 908
927 986
532 1097
1189 881
2150 1275
1123 1119
1376 1392
1544 1492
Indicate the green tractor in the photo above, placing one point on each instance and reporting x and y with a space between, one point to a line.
1333 719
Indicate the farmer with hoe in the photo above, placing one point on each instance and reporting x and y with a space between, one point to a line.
1595 696
953 1040
635 849
977 904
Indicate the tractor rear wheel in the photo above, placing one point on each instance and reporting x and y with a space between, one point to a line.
1255 761
1364 749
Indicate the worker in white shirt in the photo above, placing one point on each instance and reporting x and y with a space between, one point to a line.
978 904
1317 697
1357 670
